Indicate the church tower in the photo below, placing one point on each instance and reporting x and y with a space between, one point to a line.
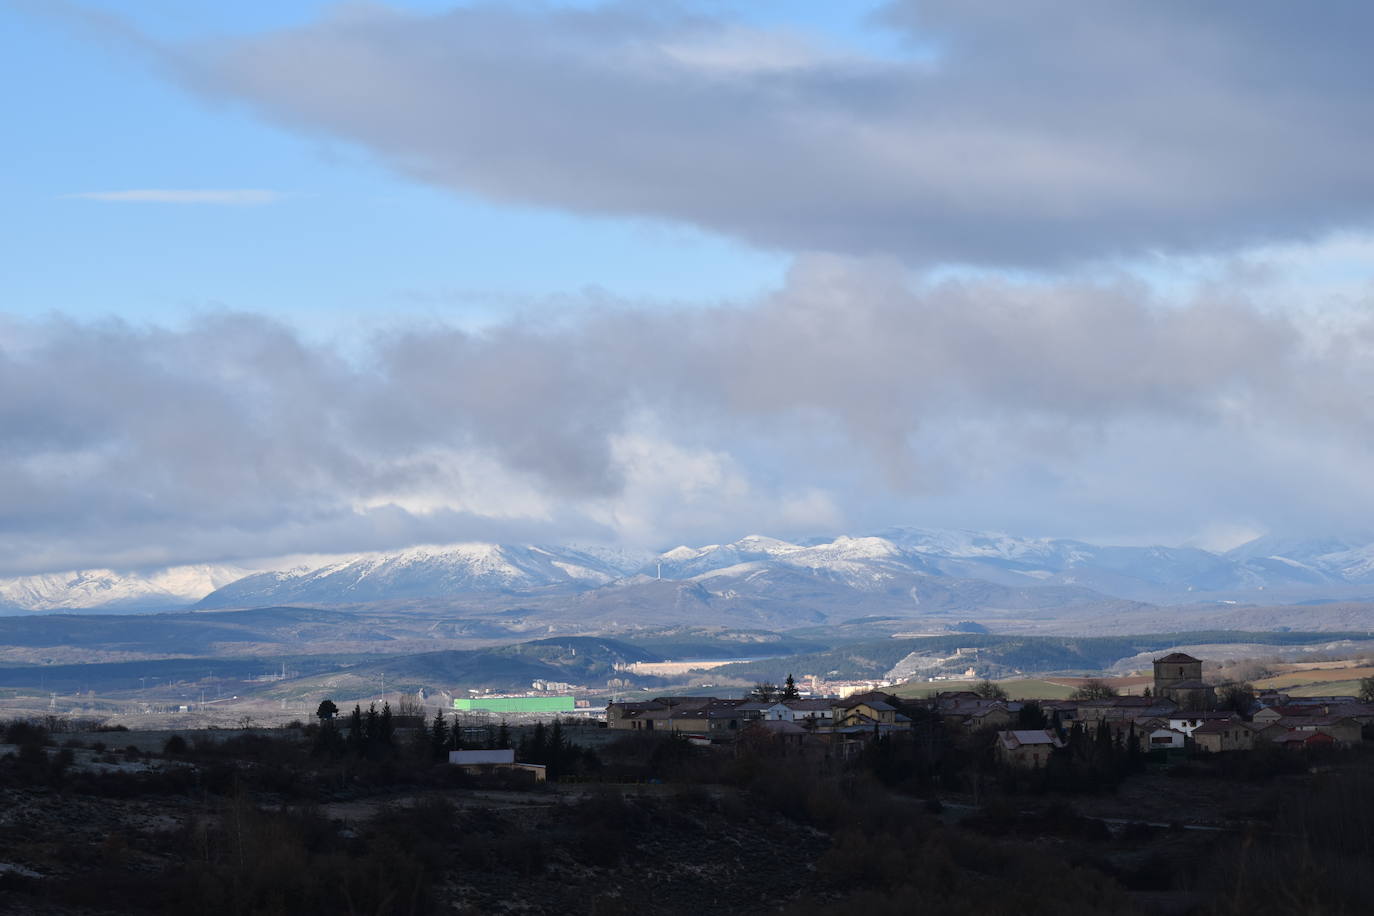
1178 677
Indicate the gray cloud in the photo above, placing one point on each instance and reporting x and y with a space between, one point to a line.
1034 133
850 397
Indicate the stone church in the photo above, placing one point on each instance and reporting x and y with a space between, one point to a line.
1178 677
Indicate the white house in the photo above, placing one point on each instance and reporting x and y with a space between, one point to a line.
1166 738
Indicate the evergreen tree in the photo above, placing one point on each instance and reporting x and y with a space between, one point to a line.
355 730
438 737
1030 716
326 711
557 750
789 688
539 745
371 729
385 728
503 735
455 734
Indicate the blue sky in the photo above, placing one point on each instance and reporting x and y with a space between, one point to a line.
305 277
348 242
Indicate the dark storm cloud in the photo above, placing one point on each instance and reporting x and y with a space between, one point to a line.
1016 133
126 445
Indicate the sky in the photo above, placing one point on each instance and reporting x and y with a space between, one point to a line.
321 277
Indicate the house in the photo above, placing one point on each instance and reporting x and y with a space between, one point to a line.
1217 735
1029 748
1300 741
1345 731
1162 738
790 710
1117 709
866 709
488 761
785 733
1189 722
972 711
696 715
628 715
1265 732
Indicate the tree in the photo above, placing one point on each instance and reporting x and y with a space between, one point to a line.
1031 716
503 735
455 734
1367 690
385 729
1093 690
557 751
765 692
438 736
327 710
1237 697
409 706
356 739
990 691
789 688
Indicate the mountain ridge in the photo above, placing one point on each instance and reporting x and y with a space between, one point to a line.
886 564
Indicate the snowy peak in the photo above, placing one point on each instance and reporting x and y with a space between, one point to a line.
893 560
425 572
91 589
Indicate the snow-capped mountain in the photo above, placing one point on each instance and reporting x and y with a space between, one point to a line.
423 572
106 589
902 564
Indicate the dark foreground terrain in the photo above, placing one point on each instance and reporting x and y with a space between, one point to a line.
296 821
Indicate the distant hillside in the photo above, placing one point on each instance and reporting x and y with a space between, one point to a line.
1030 654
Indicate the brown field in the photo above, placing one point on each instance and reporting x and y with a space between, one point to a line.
673 669
1016 688
1324 675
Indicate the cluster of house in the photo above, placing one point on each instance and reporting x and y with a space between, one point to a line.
1180 713
803 720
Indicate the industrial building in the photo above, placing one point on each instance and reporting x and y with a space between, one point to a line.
554 704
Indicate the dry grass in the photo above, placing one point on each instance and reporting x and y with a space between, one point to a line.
1016 688
675 669
1296 678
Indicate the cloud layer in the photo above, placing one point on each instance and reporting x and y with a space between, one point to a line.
850 398
1025 133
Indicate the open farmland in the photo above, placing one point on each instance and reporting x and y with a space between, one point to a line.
1327 689
1316 676
1016 688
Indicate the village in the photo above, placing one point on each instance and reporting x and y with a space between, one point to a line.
1178 714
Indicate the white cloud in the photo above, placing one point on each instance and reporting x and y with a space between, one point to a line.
850 399
237 197
1042 134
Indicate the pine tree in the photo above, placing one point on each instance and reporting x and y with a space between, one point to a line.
355 730
385 729
371 729
557 750
789 688
539 745
438 736
455 735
